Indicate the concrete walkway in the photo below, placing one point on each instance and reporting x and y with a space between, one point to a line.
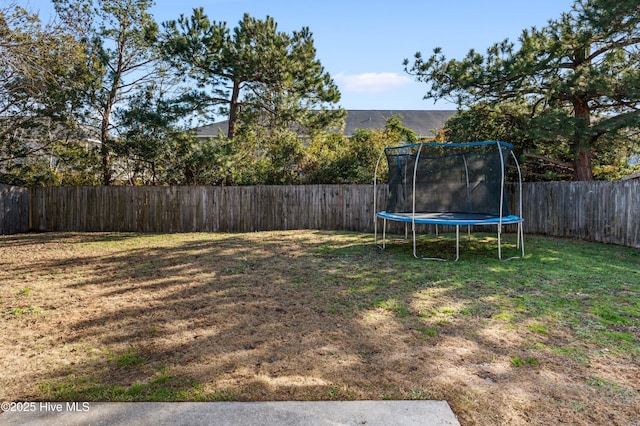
396 413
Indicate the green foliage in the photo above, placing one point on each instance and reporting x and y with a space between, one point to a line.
152 148
104 59
566 95
119 35
43 84
578 77
62 162
544 154
345 160
394 127
338 159
255 73
284 158
542 157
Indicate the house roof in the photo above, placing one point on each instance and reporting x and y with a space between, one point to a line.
212 130
426 123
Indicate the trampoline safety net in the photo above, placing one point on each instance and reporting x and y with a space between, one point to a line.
461 178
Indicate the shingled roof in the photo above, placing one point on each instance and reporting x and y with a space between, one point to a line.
426 123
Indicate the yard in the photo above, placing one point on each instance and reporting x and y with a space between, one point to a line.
312 315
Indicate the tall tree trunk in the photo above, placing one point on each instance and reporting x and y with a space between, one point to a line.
233 110
107 176
582 166
105 149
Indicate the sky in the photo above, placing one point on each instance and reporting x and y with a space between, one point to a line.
362 43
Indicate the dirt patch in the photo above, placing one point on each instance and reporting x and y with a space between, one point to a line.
298 315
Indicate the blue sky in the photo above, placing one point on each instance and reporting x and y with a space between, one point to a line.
362 43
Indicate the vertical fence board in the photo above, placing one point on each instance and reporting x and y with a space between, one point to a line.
14 209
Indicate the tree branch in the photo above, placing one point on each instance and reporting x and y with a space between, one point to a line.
560 163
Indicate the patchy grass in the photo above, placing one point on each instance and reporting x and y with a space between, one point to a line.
308 315
129 358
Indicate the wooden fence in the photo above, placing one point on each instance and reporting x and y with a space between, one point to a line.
607 212
200 208
14 209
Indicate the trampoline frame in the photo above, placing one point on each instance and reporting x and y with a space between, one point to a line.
449 218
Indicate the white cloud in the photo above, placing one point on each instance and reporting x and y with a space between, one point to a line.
371 82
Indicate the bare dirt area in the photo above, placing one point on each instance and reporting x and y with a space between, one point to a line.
299 315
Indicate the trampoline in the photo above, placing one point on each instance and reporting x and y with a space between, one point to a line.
448 184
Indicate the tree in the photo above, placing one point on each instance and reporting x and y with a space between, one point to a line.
394 126
147 134
510 122
579 76
43 80
121 35
255 74
540 160
334 158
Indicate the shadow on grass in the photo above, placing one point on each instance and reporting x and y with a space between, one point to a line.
309 315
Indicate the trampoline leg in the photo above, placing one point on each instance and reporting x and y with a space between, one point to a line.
521 237
415 249
375 230
381 245
499 243
457 242
519 243
384 234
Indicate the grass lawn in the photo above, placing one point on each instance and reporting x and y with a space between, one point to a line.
309 315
